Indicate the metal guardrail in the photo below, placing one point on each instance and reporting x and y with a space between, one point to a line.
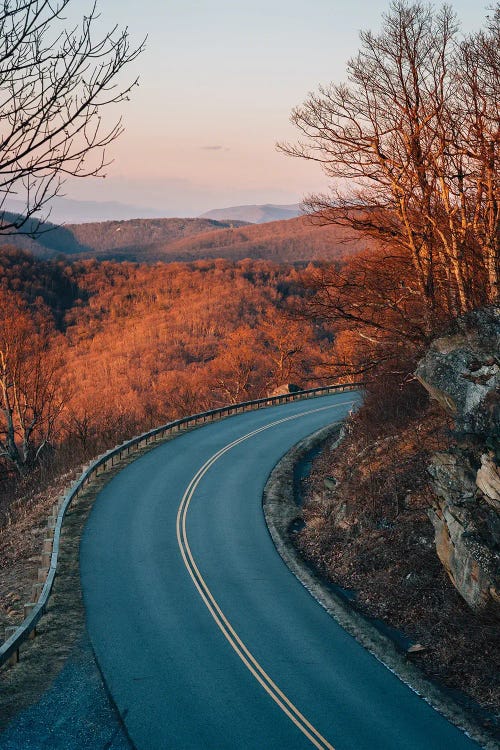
9 650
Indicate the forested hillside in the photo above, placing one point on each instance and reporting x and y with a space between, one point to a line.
103 350
109 238
152 240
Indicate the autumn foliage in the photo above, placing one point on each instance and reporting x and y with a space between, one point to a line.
120 347
185 240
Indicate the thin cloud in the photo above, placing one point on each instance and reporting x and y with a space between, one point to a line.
214 148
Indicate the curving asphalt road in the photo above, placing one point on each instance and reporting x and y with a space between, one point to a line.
205 638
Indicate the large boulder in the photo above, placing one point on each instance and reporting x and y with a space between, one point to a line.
462 372
488 480
286 388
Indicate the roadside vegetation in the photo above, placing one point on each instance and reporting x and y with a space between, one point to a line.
367 529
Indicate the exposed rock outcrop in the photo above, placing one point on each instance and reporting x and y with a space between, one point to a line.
488 481
462 372
283 390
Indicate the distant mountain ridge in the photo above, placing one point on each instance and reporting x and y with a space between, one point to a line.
66 210
258 214
296 240
109 239
70 211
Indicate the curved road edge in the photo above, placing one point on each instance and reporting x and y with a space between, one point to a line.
280 511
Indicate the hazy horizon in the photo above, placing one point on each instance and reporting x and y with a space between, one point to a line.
217 84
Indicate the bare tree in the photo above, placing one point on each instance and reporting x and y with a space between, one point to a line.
478 87
31 396
372 302
416 165
54 84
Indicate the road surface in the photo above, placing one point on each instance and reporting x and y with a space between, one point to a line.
204 637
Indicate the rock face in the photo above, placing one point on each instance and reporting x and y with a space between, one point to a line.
488 481
462 372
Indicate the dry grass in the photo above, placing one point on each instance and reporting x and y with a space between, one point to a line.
21 543
61 626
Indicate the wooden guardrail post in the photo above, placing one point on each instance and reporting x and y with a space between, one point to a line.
28 608
42 575
9 631
47 546
37 589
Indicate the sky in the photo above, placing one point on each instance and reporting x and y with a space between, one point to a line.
218 80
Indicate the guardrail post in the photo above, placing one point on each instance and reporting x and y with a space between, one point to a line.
37 589
10 630
28 608
47 546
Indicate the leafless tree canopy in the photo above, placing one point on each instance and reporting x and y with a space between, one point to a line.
412 140
54 83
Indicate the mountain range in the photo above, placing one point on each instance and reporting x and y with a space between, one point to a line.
68 211
152 240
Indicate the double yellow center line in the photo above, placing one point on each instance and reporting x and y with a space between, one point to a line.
218 615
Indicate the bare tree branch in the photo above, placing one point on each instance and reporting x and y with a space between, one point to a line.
55 84
412 141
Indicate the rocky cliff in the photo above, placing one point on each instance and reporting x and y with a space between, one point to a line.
462 372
